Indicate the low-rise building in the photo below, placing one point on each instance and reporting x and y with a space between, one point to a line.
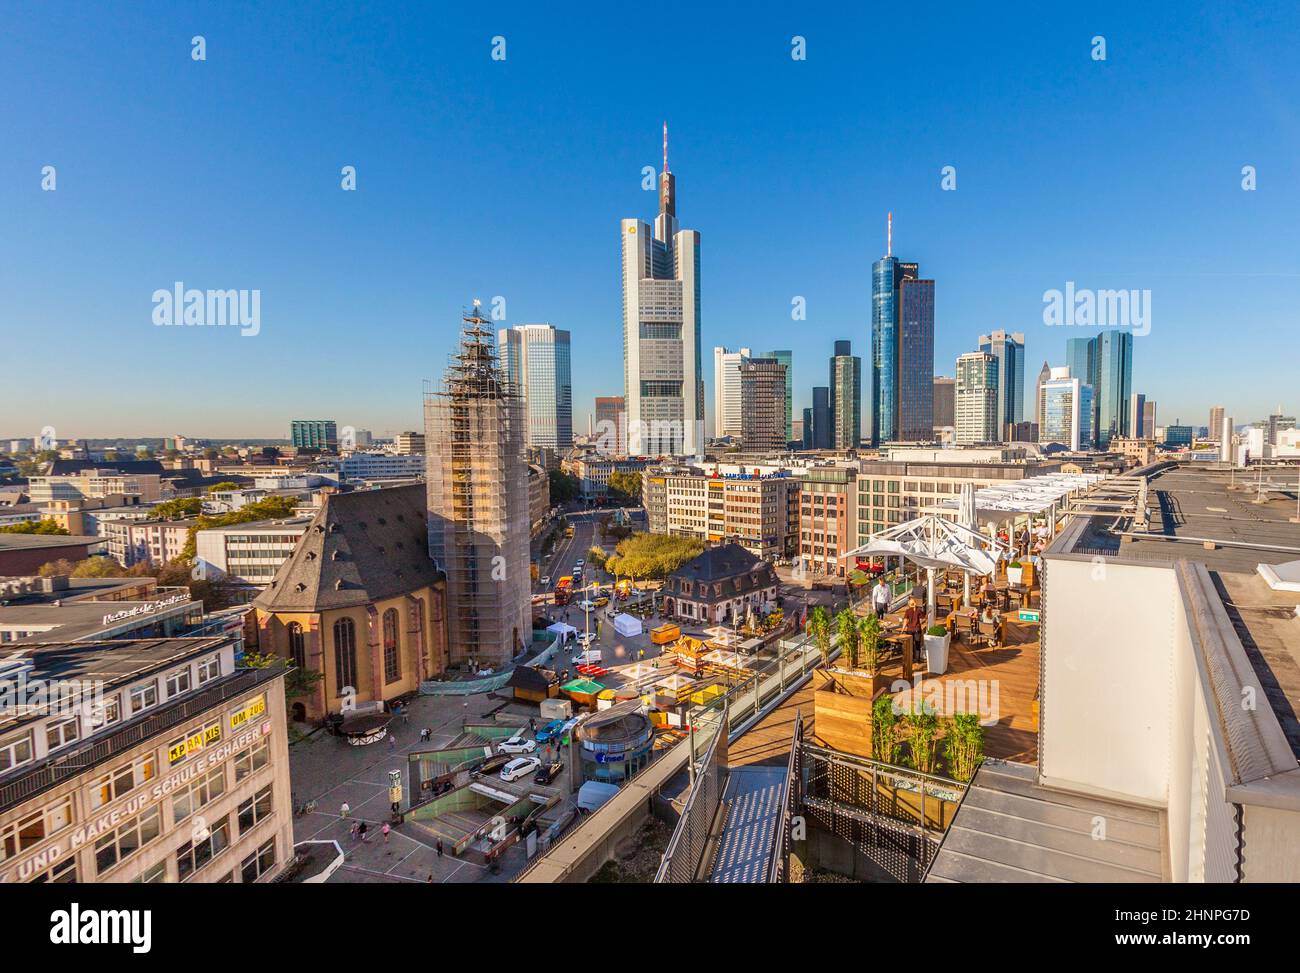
828 517
22 554
382 466
243 559
759 511
593 472
157 541
108 778
720 586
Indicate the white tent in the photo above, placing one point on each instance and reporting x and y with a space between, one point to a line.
627 625
563 630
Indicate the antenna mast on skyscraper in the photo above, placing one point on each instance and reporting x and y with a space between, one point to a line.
889 237
665 145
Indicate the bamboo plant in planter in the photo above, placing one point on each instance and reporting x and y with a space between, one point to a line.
963 745
846 624
885 740
868 654
937 638
923 737
819 627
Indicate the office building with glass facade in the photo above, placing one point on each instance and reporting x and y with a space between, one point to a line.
536 360
846 397
786 358
1066 416
318 434
1009 350
977 398
915 374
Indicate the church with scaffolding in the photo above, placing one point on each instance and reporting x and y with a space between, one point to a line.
477 483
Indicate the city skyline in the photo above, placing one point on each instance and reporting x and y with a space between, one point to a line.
283 225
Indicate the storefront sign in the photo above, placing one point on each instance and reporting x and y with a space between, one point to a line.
193 742
255 708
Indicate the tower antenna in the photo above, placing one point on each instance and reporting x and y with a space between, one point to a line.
665 145
889 238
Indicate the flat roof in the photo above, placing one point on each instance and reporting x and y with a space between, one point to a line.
28 542
72 622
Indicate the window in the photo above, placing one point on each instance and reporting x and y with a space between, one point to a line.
392 657
106 714
345 655
209 668
182 747
178 682
203 791
207 845
152 875
142 697
256 808
297 646
250 761
15 752
64 871
59 733
119 845
259 863
123 781
31 830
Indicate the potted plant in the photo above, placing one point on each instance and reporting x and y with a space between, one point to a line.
846 624
819 627
936 649
1014 572
963 745
886 740
868 655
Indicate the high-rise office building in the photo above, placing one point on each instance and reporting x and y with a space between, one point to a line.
726 390
1217 413
1066 416
762 397
786 358
1149 419
945 402
1009 349
915 373
1044 374
1113 364
1136 410
977 398
319 434
846 397
902 349
1079 359
662 380
822 434
610 428
477 487
535 359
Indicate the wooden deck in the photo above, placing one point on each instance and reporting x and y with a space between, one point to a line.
1000 683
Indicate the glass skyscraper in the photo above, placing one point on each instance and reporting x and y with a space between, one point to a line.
886 275
915 409
1113 384
536 360
1009 350
1067 407
846 397
786 358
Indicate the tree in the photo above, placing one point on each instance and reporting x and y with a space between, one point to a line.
91 567
819 627
652 556
564 486
35 527
222 486
846 624
178 509
298 682
625 487
597 557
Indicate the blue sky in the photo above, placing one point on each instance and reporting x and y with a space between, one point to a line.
479 178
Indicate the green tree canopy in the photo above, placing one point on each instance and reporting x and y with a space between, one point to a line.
35 527
625 487
223 485
178 509
564 486
653 555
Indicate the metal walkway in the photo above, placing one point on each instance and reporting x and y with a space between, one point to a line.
753 802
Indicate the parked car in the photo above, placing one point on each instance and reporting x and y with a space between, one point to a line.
548 730
517 744
493 764
586 606
579 563
548 772
586 638
601 602
519 767
546 581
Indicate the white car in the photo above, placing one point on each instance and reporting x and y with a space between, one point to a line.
588 658
580 563
586 638
517 744
520 767
586 605
546 581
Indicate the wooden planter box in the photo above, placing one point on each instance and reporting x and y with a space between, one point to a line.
842 710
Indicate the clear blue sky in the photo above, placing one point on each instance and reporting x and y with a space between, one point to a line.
479 178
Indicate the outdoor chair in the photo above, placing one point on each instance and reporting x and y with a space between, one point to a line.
963 627
988 632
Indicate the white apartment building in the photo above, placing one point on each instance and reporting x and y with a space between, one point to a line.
382 466
246 556
726 390
977 398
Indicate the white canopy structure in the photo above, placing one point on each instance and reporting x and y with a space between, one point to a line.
563 630
1035 495
627 625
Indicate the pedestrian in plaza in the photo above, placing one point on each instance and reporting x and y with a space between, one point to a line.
386 830
392 740
344 810
912 623
406 713
439 847
361 832
353 831
425 734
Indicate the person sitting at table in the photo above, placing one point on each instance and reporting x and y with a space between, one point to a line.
989 617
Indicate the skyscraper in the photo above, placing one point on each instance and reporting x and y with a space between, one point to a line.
945 402
915 409
1216 421
1079 359
762 396
726 390
477 488
1149 419
611 425
322 434
662 382
846 397
1044 374
1066 415
1112 385
977 398
823 431
1009 350
536 361
902 349
1136 408
786 358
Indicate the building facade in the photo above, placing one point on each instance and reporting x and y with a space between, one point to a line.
663 384
181 767
846 397
1067 411
828 515
1009 349
978 395
244 558
786 358
762 404
761 513
721 586
915 372
314 434
610 425
536 360
726 390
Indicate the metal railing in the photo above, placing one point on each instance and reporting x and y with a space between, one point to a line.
685 851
